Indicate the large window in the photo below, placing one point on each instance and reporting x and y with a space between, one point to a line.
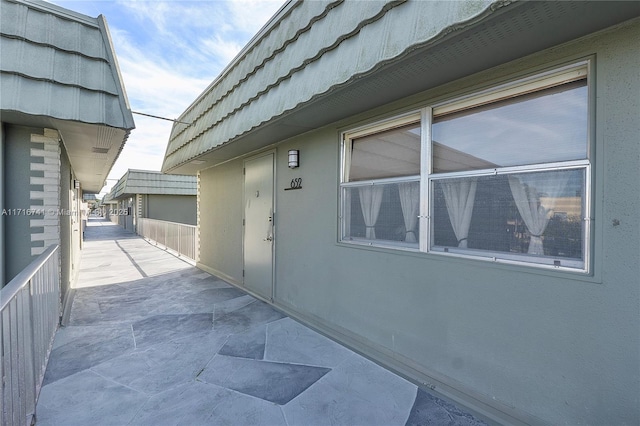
503 175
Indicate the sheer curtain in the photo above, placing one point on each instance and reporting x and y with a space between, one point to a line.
535 195
370 201
459 196
410 203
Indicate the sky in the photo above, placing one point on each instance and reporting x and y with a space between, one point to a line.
168 53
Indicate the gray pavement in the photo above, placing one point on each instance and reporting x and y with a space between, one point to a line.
152 340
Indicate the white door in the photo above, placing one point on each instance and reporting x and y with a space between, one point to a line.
258 225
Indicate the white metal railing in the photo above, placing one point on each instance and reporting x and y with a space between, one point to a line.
30 314
177 237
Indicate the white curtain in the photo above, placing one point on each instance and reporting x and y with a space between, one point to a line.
535 195
410 203
460 195
370 201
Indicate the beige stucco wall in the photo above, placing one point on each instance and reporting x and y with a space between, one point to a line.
220 214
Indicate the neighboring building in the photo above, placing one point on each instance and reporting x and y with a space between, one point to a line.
153 195
91 201
434 139
89 206
64 120
109 207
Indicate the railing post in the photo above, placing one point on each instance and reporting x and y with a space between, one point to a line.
34 356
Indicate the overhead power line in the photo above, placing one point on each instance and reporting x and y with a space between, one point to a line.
161 118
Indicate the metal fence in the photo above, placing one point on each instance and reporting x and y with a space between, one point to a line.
177 237
30 314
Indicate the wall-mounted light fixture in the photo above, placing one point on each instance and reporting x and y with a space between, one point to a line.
294 158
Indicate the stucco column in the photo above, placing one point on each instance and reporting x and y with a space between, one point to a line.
45 158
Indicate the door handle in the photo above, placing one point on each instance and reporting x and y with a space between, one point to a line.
270 227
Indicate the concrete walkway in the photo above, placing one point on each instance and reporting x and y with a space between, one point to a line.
152 340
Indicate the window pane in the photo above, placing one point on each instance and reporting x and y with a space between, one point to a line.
382 212
539 214
386 154
545 126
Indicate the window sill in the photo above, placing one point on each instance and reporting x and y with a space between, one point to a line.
388 244
544 262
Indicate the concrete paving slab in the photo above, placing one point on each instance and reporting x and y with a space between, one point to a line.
83 349
240 409
163 366
271 381
191 403
86 398
249 344
290 341
163 328
357 392
227 320
198 403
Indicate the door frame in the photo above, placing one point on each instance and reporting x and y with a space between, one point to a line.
273 153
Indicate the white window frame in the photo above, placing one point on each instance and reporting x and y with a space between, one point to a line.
540 81
346 143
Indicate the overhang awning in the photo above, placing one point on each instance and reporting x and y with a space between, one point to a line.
296 75
153 182
59 70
